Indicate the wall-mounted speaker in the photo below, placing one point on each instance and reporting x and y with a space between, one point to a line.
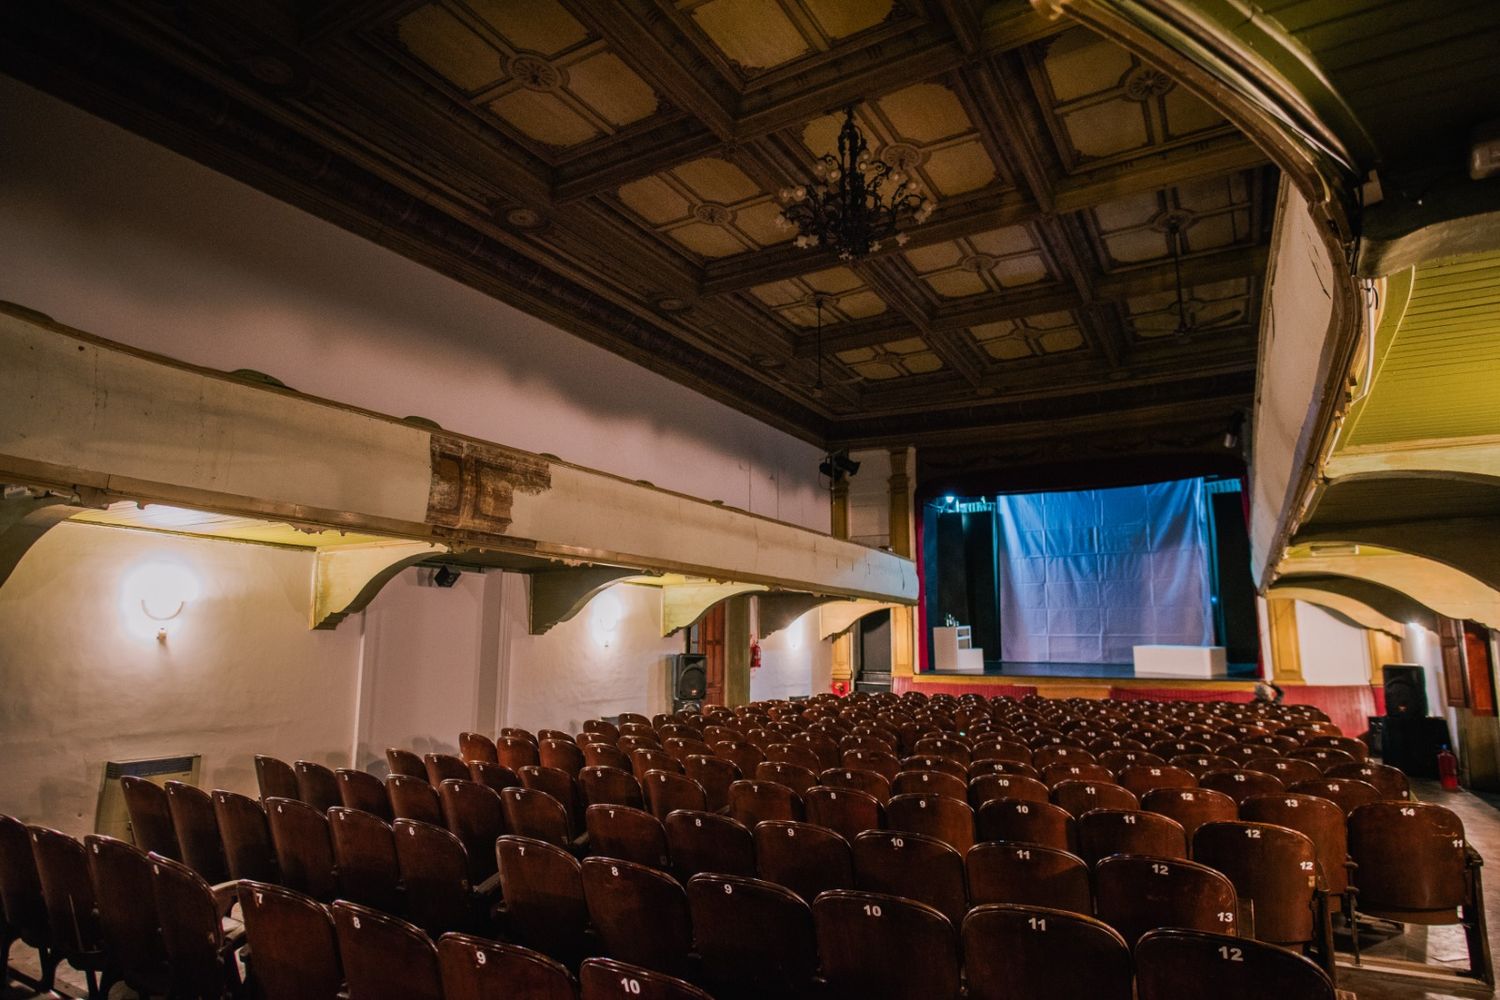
1405 691
689 679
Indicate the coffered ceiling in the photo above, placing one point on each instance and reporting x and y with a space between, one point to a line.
612 167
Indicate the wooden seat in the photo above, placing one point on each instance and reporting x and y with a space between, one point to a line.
610 786
531 813
414 798
275 778
1120 758
67 889
304 848
777 960
246 835
1172 963
887 765
316 785
1054 774
1324 757
988 787
605 755
871 783
1079 797
23 911
845 810
442 766
477 746
1392 783
629 743
294 949
560 754
943 746
1135 894
627 833
434 866
753 802
516 752
1413 864
384 956
1024 822
609 729
914 866
645 759
1347 793
1275 868
603 978
715 775
473 968
743 754
1190 807
492 776
1001 750
404 762
474 815
1046 756
198 939
1026 874
197 831
699 841
542 886
1103 832
794 753
150 815
667 792
934 815
794 776
618 894
804 858
1141 778
362 790
874 945
364 850
1318 819
1289 770
128 924
1038 953
936 782
1203 763
560 785
1240 785
935 762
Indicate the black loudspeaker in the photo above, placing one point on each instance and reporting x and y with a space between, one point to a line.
689 678
1412 744
1405 691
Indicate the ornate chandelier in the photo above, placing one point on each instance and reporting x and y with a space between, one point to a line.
846 208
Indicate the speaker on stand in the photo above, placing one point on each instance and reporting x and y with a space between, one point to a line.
689 681
1410 739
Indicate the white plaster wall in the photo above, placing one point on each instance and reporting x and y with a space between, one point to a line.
84 680
1332 652
793 662
869 498
582 668
1421 645
108 233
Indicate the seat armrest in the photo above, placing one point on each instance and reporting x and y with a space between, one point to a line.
226 896
489 886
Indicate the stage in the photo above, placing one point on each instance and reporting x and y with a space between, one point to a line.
1347 706
1084 671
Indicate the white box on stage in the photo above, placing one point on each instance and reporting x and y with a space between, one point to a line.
1195 662
953 652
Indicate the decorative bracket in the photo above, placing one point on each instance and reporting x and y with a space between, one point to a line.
780 608
559 594
23 521
684 603
838 616
347 578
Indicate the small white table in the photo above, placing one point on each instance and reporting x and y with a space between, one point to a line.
1202 663
953 652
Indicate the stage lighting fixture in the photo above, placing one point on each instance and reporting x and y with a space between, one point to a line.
446 576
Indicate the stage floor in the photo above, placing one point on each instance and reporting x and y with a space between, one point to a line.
1083 671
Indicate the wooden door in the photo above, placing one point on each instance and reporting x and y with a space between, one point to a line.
710 631
1479 669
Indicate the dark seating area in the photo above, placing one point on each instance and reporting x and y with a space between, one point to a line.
946 878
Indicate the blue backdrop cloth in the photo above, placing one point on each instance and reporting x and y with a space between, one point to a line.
1087 575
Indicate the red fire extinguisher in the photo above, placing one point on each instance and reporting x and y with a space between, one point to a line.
754 654
1447 769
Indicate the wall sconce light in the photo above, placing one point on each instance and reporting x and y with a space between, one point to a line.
155 593
605 615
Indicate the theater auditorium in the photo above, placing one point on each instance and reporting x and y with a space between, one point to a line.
749 499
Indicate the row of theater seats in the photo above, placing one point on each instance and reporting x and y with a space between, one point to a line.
445 879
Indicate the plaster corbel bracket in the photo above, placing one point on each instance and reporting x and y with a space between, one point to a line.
684 603
347 578
840 615
779 609
24 519
559 594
